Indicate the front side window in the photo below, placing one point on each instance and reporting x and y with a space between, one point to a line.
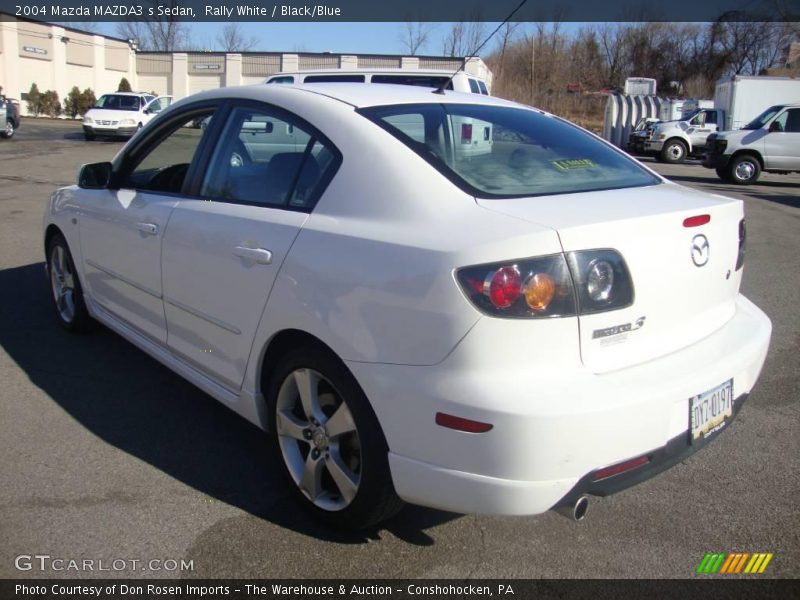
265 158
164 167
502 152
763 118
791 120
482 86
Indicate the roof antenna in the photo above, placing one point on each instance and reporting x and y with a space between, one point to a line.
441 88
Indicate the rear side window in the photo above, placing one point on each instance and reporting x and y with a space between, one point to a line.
334 79
283 79
506 152
431 81
473 86
267 159
483 88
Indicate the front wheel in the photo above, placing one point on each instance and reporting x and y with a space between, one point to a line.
329 441
674 151
65 287
722 173
8 131
744 170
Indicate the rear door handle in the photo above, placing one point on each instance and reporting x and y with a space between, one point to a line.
261 256
148 228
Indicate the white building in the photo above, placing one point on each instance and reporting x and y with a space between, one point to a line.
58 58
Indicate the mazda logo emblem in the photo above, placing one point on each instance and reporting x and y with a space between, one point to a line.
700 250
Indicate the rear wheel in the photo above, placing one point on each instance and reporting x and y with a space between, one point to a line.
744 170
329 441
65 287
674 151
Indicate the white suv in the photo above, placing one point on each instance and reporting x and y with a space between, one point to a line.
122 113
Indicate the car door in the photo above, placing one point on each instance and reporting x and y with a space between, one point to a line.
122 229
782 142
154 107
223 248
702 125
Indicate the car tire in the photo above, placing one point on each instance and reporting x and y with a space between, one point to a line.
329 441
722 173
65 287
90 137
673 152
9 130
744 170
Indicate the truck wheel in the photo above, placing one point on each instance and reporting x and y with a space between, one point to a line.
722 173
674 151
744 170
8 130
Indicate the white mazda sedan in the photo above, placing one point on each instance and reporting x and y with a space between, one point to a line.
444 299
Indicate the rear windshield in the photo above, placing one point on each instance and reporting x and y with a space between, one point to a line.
505 152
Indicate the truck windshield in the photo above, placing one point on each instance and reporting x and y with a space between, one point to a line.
507 152
763 118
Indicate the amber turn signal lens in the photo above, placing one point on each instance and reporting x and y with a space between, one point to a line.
539 291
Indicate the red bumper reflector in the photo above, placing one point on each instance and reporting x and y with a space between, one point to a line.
620 468
459 424
696 221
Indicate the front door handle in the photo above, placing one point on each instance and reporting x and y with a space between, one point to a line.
261 256
148 228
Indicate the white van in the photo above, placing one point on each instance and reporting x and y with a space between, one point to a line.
433 78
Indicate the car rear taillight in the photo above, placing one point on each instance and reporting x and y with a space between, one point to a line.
602 280
584 282
742 239
530 287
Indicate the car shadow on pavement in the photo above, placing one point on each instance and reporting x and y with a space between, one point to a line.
78 135
132 402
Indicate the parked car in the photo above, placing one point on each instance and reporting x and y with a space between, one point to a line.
9 118
504 332
769 143
433 78
122 113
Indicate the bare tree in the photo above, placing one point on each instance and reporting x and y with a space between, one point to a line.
464 37
414 36
163 35
231 38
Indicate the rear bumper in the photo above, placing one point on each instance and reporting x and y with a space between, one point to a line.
553 428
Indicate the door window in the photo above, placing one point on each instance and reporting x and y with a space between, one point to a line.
164 167
266 158
473 86
791 119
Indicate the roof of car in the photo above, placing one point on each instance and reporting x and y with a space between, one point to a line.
359 95
374 70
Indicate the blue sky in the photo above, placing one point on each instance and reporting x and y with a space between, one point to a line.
375 38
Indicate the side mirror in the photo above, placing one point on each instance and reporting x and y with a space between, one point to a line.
95 176
775 126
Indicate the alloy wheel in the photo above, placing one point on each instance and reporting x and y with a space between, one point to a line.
62 282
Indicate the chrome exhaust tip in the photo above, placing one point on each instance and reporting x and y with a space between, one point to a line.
577 511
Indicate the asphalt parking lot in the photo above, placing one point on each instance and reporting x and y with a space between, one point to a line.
108 455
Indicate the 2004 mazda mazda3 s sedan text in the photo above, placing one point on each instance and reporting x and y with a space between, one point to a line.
446 299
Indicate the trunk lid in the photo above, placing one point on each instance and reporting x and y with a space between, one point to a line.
676 302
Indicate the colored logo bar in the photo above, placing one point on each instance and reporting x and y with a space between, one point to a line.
734 563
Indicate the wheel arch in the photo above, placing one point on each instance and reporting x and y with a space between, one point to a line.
49 233
749 152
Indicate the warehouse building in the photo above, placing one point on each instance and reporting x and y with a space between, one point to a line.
58 58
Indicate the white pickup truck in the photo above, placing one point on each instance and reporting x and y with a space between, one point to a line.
673 141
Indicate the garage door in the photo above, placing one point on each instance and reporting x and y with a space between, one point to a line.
201 83
154 83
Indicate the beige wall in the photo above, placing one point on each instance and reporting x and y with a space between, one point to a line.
80 49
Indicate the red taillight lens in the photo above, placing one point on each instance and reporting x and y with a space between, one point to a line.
461 424
620 468
532 287
696 221
466 133
504 287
